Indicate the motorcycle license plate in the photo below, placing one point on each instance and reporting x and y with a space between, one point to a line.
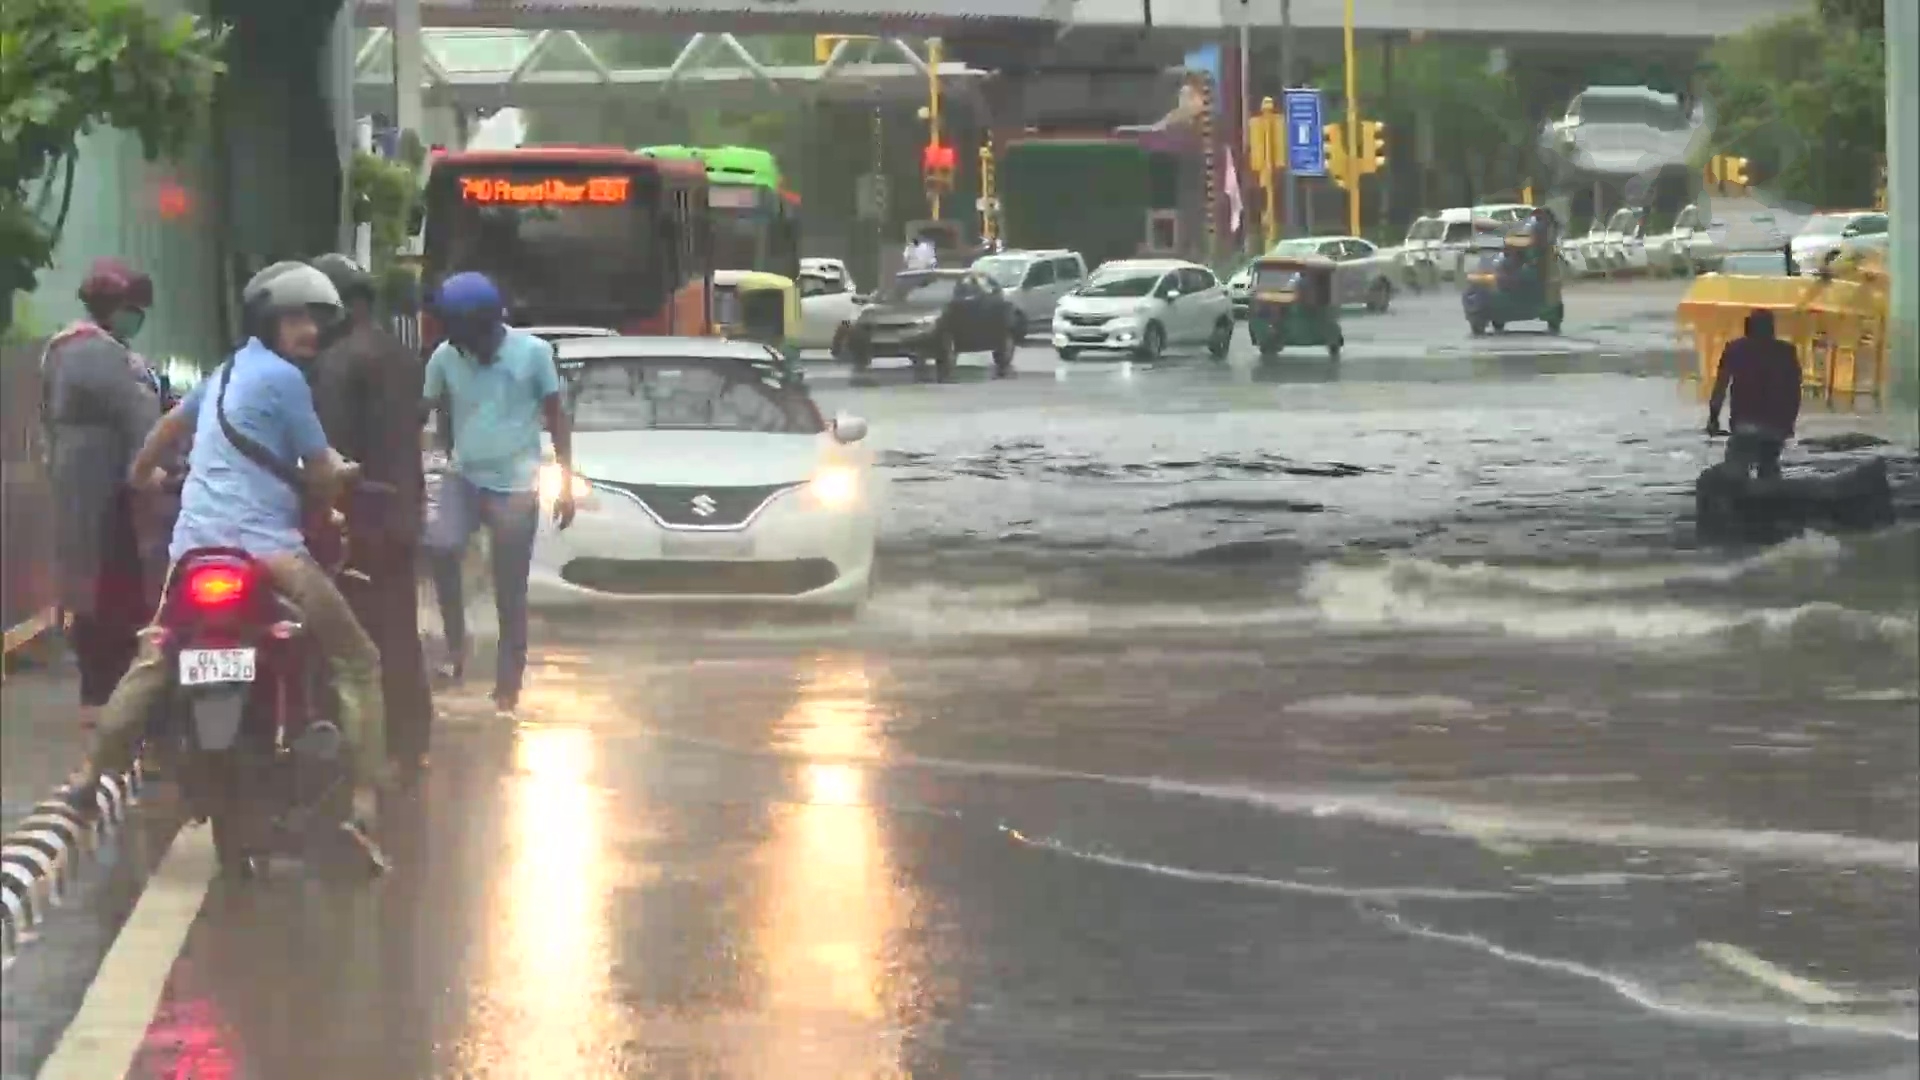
205 667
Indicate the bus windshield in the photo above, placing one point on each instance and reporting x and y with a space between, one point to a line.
753 229
566 242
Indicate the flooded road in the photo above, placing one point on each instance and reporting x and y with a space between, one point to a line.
1206 723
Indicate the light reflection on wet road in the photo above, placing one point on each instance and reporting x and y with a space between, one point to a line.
1171 746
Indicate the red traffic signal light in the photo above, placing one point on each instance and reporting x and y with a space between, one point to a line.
937 158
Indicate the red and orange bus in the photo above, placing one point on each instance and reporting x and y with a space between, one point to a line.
575 236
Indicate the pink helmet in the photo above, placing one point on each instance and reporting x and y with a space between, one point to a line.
112 284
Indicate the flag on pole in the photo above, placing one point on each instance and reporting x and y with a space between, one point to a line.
1234 206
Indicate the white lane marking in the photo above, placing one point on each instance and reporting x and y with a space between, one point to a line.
120 1004
1772 975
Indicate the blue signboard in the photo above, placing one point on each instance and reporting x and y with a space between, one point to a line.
1306 145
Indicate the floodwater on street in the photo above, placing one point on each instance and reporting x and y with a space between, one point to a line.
1208 721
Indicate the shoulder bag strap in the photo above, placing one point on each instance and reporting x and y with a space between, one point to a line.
253 451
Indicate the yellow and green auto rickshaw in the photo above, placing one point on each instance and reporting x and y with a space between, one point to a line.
1291 303
1517 281
749 305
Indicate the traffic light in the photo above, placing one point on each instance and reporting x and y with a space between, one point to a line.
1336 135
1373 146
1735 172
936 166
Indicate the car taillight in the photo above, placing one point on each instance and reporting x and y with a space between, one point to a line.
217 586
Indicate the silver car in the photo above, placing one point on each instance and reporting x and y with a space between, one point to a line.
1364 275
1143 307
1034 282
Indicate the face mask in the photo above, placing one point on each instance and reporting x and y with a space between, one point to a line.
126 322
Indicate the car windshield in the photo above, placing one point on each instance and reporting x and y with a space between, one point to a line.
1004 271
1424 229
682 394
921 289
1755 264
1122 283
1296 248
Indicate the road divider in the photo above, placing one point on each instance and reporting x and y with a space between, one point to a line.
42 857
1836 321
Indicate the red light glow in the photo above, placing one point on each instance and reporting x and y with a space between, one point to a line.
216 586
173 202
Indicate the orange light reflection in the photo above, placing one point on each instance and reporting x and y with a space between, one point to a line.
832 915
540 1010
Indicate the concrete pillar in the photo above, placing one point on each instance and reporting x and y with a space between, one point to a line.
1903 193
408 72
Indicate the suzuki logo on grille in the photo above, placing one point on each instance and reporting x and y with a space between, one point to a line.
704 505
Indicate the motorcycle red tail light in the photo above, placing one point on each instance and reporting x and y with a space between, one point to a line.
217 586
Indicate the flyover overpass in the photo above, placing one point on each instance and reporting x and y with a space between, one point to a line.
1498 21
474 69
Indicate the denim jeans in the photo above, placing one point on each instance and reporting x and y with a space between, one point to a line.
511 519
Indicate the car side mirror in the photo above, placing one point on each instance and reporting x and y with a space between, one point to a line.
849 429
1170 295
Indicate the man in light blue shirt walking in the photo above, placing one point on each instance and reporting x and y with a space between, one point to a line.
498 387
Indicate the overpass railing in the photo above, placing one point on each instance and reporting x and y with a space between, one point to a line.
1837 324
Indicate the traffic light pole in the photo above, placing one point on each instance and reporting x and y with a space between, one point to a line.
933 114
1290 195
1352 131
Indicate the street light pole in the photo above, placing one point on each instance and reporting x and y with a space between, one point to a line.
934 60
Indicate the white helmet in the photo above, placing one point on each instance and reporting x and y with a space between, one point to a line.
284 287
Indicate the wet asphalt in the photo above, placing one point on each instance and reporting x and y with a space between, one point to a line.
1287 721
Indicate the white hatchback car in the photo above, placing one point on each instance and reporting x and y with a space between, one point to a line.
1143 307
703 475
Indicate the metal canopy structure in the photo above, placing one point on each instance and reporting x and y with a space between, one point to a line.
738 16
496 69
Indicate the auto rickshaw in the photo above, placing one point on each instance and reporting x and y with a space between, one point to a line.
749 305
1291 302
1517 281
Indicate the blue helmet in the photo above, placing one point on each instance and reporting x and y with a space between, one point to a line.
471 295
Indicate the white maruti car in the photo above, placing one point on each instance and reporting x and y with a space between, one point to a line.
703 475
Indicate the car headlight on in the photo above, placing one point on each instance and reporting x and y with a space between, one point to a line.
554 479
835 487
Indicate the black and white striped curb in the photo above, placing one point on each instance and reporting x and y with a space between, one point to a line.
41 858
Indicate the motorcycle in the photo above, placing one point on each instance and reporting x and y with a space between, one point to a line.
246 726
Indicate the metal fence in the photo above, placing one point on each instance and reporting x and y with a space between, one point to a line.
27 592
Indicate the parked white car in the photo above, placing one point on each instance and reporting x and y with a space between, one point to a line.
1144 307
1822 234
828 307
829 268
703 474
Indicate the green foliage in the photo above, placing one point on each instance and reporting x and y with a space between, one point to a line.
1867 16
383 195
69 66
1804 100
1476 118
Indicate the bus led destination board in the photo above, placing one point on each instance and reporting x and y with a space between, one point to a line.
552 190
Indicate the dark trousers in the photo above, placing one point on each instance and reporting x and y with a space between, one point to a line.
1755 451
106 638
387 605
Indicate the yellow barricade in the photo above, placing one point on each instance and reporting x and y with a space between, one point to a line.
1838 324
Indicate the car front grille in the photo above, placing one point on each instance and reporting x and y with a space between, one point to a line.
687 577
1077 319
698 507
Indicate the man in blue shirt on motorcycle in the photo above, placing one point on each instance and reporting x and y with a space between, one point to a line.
232 499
